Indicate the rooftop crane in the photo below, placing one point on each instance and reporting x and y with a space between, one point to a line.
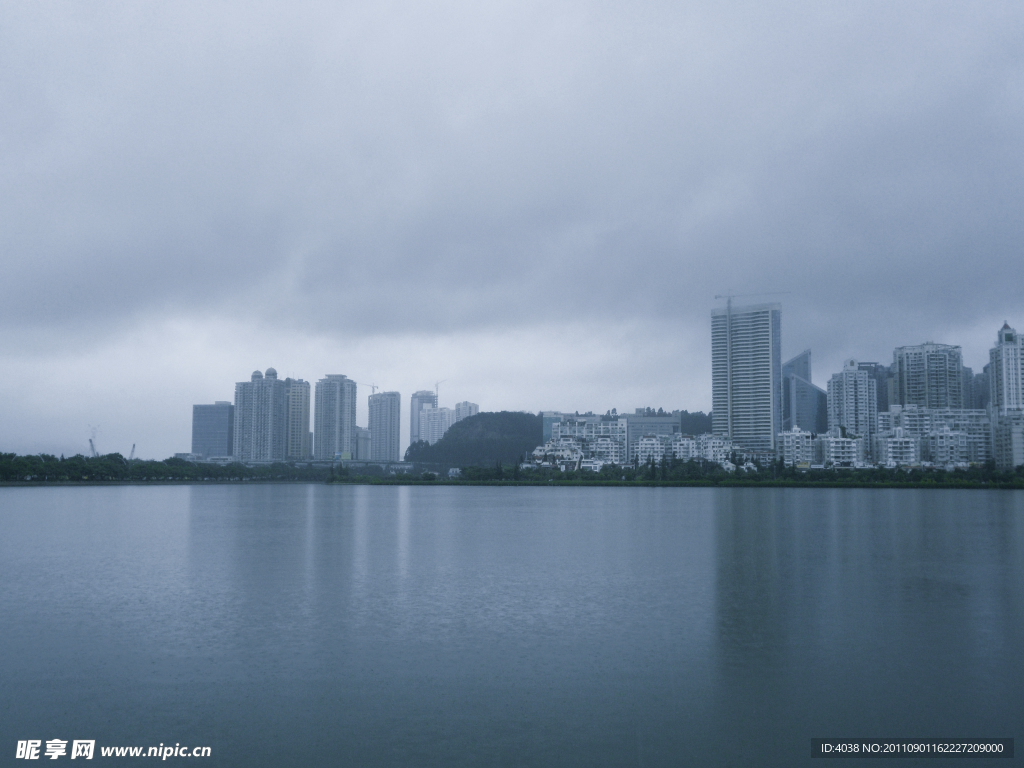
373 387
437 390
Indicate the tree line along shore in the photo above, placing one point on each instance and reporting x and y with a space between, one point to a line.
114 468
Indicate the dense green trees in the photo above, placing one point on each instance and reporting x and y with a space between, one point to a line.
486 439
114 467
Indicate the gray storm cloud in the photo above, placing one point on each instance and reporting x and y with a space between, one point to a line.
404 168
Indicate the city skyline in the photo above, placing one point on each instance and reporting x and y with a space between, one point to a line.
536 207
361 400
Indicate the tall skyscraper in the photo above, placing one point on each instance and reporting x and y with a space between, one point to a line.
385 426
465 409
1006 372
853 403
334 422
261 418
425 398
298 446
803 404
746 374
929 375
213 429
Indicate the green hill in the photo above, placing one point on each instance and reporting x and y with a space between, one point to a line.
482 440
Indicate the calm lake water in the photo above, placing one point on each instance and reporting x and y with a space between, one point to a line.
400 626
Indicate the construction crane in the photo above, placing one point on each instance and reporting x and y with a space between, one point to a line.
92 441
373 387
437 390
132 454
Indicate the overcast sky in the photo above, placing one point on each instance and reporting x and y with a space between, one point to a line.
536 202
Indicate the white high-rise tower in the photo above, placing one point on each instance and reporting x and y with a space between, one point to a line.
334 423
1006 376
746 374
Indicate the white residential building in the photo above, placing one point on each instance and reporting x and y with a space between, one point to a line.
795 446
746 375
465 409
929 375
714 448
261 418
1006 372
839 451
299 446
852 402
434 422
1008 440
897 448
684 447
385 426
602 437
653 448
946 447
334 420
922 422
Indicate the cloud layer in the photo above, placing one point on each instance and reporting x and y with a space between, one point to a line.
372 179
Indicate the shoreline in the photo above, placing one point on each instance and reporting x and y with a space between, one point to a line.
549 483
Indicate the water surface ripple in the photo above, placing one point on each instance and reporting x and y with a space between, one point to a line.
433 626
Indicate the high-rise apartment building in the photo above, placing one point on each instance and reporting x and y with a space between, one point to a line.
982 389
434 422
385 426
746 374
465 409
852 403
1006 372
882 375
929 375
804 405
334 423
261 418
213 429
298 446
425 398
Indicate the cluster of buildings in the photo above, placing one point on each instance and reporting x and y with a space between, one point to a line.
925 408
270 420
591 441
